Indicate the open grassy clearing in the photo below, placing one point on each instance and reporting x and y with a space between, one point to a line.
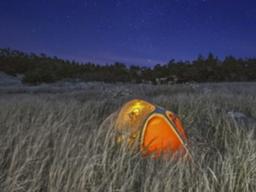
51 139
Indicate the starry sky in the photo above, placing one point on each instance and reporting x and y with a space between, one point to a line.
140 32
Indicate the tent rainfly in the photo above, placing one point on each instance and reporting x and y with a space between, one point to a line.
151 128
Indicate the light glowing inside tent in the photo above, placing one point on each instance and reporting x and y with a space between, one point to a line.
160 137
151 128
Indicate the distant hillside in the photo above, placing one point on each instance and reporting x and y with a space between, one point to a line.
38 69
6 80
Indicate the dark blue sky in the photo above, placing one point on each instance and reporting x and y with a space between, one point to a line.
144 32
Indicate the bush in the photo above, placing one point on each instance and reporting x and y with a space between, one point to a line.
38 76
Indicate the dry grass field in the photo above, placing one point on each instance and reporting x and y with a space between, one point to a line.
51 139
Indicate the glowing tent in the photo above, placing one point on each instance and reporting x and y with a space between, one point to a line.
152 129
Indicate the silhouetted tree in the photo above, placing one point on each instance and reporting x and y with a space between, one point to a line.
41 68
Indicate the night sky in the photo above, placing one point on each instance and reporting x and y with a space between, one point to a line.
142 32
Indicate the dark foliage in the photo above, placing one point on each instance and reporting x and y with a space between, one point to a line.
43 69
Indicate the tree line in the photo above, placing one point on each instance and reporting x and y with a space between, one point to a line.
44 69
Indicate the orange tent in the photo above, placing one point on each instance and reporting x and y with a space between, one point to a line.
152 128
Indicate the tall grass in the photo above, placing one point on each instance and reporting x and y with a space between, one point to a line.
54 142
